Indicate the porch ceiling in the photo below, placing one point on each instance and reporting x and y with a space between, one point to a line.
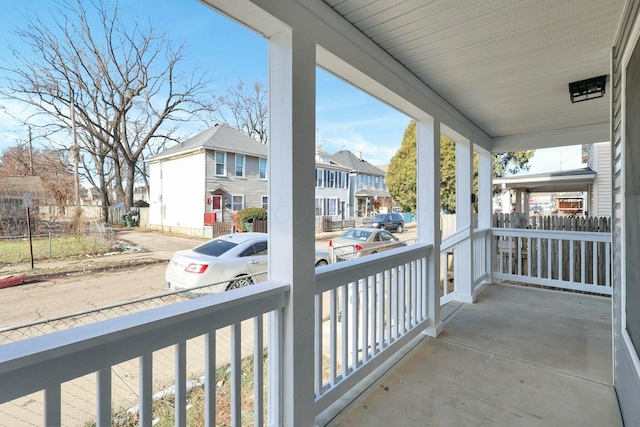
505 65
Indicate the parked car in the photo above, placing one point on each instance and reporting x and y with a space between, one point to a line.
536 209
389 221
359 242
226 262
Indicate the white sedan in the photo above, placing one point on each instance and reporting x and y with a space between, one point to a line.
226 262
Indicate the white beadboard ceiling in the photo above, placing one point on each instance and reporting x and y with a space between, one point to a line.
504 64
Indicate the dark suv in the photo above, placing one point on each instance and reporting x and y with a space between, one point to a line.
389 221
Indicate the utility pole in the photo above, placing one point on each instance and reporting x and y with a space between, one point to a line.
30 153
75 151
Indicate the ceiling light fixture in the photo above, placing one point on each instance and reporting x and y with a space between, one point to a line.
587 89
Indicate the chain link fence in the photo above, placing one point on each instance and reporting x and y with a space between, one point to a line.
58 243
79 395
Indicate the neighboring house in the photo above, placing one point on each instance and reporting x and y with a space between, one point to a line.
599 192
90 196
332 187
368 187
16 193
587 189
207 179
141 193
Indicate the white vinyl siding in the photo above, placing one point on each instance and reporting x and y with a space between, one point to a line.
626 372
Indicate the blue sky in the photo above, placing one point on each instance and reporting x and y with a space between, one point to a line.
346 117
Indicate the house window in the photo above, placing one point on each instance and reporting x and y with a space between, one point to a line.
332 178
333 206
240 159
263 169
318 207
237 203
265 203
221 167
359 181
319 180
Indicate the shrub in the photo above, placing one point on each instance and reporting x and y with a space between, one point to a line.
249 215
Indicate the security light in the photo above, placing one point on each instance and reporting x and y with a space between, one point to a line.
587 89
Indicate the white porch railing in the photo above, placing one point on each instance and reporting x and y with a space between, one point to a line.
376 305
43 364
366 310
563 259
481 240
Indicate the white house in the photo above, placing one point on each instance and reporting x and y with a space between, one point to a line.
368 191
206 179
332 187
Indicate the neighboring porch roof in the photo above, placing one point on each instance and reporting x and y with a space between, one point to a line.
372 193
219 188
550 182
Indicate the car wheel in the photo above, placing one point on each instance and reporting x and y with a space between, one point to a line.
240 282
400 228
321 263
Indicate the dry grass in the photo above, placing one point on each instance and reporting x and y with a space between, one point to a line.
164 409
16 251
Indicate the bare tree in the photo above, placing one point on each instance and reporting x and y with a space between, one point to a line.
54 167
244 108
125 84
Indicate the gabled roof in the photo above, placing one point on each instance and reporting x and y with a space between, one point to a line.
354 163
221 137
17 186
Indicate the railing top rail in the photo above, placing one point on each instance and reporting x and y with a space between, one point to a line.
592 236
454 239
76 352
478 232
332 275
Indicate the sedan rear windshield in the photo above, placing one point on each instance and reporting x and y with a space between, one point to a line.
361 235
215 247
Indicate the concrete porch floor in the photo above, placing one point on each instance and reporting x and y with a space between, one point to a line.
517 357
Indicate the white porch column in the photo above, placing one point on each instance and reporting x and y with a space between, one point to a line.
506 199
518 201
485 189
463 257
292 68
485 201
525 203
428 204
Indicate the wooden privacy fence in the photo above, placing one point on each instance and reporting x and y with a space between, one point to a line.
553 222
330 224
